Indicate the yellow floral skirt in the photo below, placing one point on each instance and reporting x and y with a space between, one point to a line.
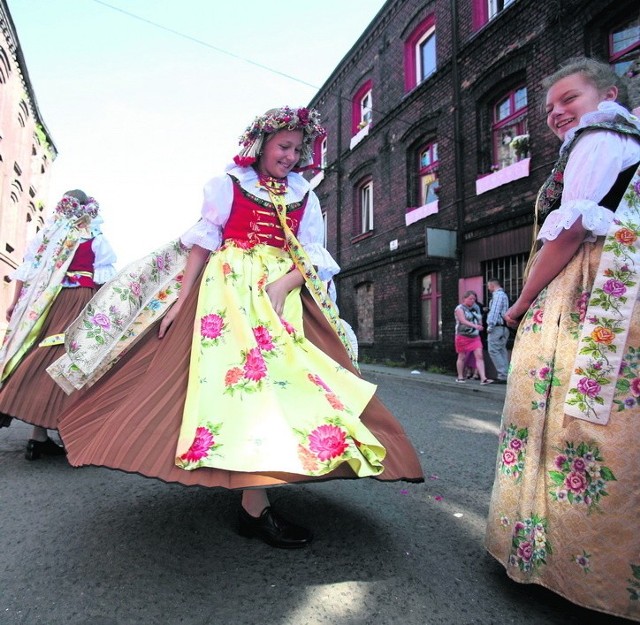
261 397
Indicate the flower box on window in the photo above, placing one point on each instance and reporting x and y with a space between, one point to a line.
359 136
519 169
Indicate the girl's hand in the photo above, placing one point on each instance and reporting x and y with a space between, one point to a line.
277 292
514 315
10 310
168 319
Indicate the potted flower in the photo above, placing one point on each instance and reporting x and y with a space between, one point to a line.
520 145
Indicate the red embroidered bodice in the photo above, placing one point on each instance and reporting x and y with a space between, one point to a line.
255 220
82 263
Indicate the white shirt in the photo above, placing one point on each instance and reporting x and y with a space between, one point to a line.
594 164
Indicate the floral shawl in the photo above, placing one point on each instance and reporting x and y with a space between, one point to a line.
49 266
613 296
118 316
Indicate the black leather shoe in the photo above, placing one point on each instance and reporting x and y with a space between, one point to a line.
273 529
35 449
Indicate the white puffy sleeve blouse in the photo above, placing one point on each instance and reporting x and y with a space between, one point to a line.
594 164
216 208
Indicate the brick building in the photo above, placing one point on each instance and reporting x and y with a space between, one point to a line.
436 146
26 154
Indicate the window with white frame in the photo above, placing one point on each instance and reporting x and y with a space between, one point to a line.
364 221
494 7
420 53
362 108
325 237
510 137
429 186
365 109
425 52
323 153
624 45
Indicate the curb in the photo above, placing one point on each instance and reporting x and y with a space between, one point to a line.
436 379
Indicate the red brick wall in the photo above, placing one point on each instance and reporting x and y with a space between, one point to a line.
521 45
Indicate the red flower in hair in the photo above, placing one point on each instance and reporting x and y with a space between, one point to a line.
244 161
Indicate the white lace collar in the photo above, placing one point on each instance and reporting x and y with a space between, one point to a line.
607 112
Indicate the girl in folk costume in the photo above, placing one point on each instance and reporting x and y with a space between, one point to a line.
62 266
566 497
251 384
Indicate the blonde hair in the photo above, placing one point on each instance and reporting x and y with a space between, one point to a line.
599 74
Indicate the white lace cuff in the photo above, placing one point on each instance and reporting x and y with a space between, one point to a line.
327 267
103 274
596 220
205 234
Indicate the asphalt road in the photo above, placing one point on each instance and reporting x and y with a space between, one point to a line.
92 546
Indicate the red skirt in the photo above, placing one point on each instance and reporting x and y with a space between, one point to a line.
130 420
466 344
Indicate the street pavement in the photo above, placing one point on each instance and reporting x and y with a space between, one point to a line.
91 546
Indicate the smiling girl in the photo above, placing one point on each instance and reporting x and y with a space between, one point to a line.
565 501
253 382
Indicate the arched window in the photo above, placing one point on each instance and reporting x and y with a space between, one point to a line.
362 108
365 312
624 45
420 53
509 129
428 173
363 213
430 307
323 153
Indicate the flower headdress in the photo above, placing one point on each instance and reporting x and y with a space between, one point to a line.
69 207
285 118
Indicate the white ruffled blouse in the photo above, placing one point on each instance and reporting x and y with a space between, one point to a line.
217 204
103 267
595 162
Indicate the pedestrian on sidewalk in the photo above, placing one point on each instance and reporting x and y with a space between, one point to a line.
467 336
62 268
497 330
566 495
252 383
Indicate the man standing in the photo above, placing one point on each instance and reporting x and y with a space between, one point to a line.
497 330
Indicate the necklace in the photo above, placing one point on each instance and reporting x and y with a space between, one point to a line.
277 186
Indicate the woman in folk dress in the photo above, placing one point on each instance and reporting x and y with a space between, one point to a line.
62 267
566 497
251 384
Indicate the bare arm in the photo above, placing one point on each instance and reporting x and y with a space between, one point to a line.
16 296
550 261
196 261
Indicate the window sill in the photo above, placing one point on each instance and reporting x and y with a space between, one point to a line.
359 136
361 237
416 214
420 342
503 176
317 179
